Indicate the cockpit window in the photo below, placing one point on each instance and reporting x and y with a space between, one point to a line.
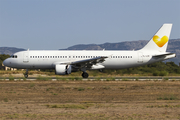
13 56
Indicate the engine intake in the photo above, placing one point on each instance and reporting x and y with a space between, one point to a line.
62 69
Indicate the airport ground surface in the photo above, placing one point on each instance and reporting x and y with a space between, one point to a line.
79 99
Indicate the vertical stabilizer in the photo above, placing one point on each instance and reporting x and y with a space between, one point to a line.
160 40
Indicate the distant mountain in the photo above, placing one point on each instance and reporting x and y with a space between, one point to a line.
129 45
173 46
10 50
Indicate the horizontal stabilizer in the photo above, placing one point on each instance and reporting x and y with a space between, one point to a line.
163 55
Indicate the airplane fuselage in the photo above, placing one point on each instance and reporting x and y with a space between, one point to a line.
48 59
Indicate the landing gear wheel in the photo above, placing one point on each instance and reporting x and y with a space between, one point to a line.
85 75
101 70
26 76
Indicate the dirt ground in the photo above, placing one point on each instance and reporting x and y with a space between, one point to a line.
90 100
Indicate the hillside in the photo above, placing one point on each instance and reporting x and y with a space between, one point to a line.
10 50
174 45
130 45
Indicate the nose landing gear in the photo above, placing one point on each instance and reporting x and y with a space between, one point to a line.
26 74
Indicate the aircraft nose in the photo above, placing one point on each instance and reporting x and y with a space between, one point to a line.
6 62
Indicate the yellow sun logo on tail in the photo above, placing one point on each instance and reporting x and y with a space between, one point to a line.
160 41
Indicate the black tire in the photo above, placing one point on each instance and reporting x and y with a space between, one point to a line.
85 75
101 70
26 76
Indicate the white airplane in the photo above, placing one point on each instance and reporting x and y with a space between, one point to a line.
67 61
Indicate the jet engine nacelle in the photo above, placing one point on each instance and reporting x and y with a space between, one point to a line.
62 69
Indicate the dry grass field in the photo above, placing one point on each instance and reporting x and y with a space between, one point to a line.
101 100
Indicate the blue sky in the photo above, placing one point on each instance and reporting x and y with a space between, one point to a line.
58 24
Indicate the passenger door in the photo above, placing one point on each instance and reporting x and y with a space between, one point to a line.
26 57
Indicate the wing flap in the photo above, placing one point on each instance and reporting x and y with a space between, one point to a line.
88 62
85 63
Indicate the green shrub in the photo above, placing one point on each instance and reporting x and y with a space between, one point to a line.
156 73
11 78
32 85
163 73
168 97
81 89
5 100
71 106
42 78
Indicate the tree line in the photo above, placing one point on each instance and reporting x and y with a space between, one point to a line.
155 69
3 57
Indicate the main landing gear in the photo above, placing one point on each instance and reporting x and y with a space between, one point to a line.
85 75
26 74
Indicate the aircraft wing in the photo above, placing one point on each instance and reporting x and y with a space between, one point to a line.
163 55
86 63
